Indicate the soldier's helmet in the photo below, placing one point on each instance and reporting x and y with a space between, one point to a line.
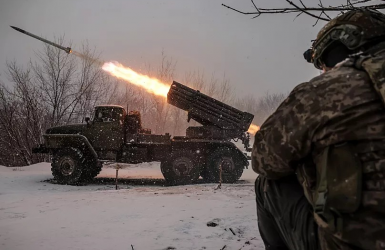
353 29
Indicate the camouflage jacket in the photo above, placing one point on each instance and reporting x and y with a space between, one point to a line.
338 106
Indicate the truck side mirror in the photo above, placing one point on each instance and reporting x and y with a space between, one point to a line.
87 119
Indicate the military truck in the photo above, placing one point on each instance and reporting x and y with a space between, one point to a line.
115 135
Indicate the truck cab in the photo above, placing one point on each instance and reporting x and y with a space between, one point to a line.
106 131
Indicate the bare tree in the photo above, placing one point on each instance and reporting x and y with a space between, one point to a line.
54 72
226 92
22 118
267 105
161 111
70 87
320 12
55 89
90 86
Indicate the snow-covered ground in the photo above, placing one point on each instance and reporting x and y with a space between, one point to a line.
142 215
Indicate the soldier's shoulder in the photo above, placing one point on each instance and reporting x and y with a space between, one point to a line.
319 84
305 87
301 87
342 73
313 83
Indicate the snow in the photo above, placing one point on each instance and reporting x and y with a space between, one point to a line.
37 214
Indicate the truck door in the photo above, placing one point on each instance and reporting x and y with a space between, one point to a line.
106 130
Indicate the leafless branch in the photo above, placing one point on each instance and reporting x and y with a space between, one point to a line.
319 12
304 10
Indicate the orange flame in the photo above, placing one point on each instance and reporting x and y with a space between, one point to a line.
152 85
253 129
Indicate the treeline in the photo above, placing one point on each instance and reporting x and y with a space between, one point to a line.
57 89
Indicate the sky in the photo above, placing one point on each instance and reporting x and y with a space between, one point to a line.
258 55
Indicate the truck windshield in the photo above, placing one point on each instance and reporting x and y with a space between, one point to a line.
108 115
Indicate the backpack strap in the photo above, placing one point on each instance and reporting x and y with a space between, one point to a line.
339 185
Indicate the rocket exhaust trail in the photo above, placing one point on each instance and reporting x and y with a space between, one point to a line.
82 56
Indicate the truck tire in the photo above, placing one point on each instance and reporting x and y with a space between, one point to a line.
67 166
232 166
91 169
182 168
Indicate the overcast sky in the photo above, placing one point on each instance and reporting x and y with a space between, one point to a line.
257 55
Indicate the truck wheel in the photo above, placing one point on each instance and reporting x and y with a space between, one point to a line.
181 168
67 166
91 169
232 166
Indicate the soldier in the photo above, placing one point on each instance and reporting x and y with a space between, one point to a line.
328 136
